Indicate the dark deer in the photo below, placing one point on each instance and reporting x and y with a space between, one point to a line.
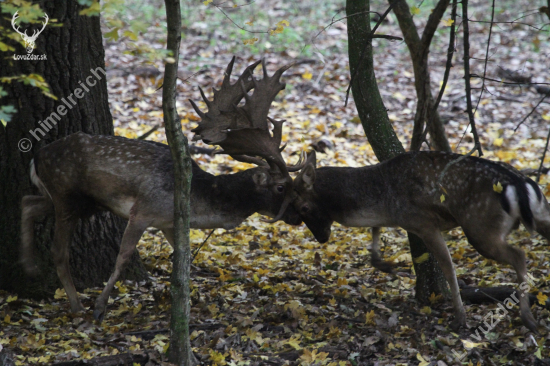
487 199
134 179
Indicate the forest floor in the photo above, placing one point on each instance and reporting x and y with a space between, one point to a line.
269 294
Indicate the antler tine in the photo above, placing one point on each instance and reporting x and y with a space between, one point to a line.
250 160
264 68
300 164
197 109
277 130
206 100
280 72
228 71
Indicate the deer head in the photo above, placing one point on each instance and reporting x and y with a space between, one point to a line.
29 40
243 131
306 204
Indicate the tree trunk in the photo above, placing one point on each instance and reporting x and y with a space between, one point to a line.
380 133
74 52
419 50
180 351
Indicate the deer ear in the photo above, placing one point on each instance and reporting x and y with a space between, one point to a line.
312 159
308 176
260 178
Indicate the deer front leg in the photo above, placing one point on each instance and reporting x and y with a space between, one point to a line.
436 244
375 257
64 228
132 234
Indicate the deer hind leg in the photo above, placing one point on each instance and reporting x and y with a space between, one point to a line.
65 224
542 219
169 235
436 244
31 208
376 259
134 230
493 245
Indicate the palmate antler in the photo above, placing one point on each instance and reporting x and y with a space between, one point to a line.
243 131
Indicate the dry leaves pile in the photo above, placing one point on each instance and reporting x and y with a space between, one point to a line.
270 294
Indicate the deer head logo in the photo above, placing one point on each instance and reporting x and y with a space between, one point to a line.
29 40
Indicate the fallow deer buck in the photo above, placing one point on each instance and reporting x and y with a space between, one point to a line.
487 199
134 179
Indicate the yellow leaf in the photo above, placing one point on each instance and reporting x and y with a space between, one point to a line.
542 298
255 278
497 187
294 342
423 362
60 294
498 142
469 345
415 10
426 310
546 117
332 301
370 317
250 41
207 2
448 22
7 319
250 22
442 198
11 298
424 257
284 23
342 281
217 357
307 75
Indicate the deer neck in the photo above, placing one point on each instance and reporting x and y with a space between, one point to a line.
222 200
354 197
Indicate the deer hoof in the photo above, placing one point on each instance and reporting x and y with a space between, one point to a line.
77 308
382 265
99 314
530 322
458 323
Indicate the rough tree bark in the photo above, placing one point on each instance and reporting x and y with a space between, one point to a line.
74 52
419 49
180 347
381 135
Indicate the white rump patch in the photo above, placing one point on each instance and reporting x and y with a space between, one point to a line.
512 198
537 206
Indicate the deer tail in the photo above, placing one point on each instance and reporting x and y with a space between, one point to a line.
31 208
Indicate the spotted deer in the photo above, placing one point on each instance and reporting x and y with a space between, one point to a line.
487 199
134 179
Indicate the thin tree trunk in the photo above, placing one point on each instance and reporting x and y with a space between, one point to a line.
74 52
419 49
180 346
381 135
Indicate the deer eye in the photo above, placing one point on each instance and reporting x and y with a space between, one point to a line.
280 188
305 208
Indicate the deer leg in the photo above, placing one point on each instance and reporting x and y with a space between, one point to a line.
494 246
376 259
64 229
169 235
436 244
31 207
542 221
132 234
